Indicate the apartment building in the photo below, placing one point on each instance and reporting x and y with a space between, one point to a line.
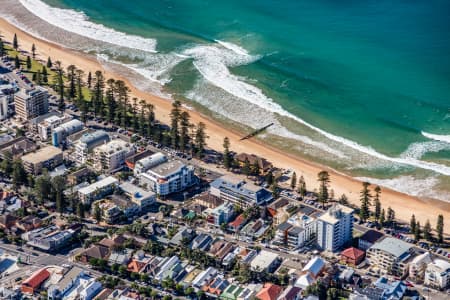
60 133
46 126
48 157
335 227
111 156
86 143
97 190
437 274
237 191
296 231
390 255
31 103
149 162
168 177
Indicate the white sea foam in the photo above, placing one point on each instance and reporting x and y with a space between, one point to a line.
213 62
419 149
437 137
425 187
78 22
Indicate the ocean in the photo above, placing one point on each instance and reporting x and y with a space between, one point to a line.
361 86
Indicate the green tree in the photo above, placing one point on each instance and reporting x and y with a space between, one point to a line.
33 51
6 164
269 178
390 215
365 199
417 232
382 217
19 176
440 228
43 188
343 200
71 69
44 74
246 167
377 203
427 234
293 181
80 210
15 42
89 80
302 186
17 62
59 84
200 139
324 179
184 130
226 153
412 224
174 122
2 48
28 62
58 183
49 62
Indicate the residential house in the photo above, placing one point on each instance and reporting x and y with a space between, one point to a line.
311 272
291 293
7 221
270 291
352 256
237 224
201 242
96 252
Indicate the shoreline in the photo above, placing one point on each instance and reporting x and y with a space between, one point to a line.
403 205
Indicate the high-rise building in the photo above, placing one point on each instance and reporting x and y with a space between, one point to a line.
335 227
31 103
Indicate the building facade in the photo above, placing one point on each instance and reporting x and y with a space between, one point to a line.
48 157
237 191
60 133
335 228
31 103
111 156
437 274
87 142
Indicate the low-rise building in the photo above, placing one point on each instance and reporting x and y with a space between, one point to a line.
97 190
237 191
86 143
352 256
296 231
60 133
270 291
114 208
46 126
390 255
168 177
48 157
132 160
418 266
147 162
111 156
221 214
32 284
79 176
369 238
265 261
57 291
264 166
48 238
144 199
311 272
437 274
17 147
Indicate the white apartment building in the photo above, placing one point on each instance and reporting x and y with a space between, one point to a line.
149 162
390 255
46 127
111 156
168 177
437 274
87 143
296 231
335 227
97 190
418 266
60 133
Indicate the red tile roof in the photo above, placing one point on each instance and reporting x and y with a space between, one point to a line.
238 221
353 253
37 278
270 291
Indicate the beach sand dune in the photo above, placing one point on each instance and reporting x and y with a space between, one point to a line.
403 205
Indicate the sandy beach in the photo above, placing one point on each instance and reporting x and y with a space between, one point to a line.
403 205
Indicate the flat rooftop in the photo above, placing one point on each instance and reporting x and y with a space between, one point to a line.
98 185
167 168
42 154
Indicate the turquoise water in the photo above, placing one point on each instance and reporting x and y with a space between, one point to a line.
372 74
